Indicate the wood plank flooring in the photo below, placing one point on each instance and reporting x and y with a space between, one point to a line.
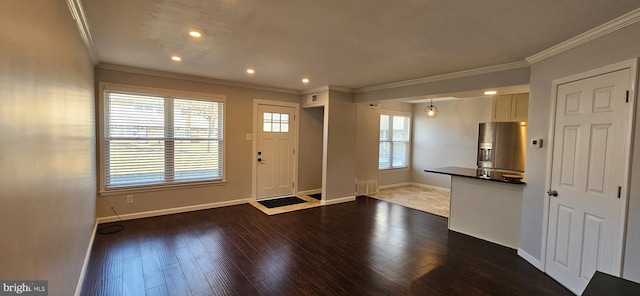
366 247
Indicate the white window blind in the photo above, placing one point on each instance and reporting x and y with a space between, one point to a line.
153 140
394 141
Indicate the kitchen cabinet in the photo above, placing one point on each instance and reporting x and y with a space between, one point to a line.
510 108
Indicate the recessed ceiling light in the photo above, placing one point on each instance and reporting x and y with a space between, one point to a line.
195 34
305 80
176 58
490 92
251 71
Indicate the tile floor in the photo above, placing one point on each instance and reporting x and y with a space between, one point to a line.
431 200
311 203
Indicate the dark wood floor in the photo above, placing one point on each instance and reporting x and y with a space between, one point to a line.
366 247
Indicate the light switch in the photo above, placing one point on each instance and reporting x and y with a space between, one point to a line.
249 137
536 143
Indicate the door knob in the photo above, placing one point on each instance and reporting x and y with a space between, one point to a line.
552 192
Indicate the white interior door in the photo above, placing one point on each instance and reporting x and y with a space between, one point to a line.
275 159
588 171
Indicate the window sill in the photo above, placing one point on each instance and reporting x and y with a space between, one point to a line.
393 170
133 190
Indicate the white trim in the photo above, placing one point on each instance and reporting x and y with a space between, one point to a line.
87 256
532 260
334 201
414 184
409 141
340 88
315 90
254 165
160 91
102 86
156 188
309 192
430 187
394 185
77 13
158 73
393 170
460 74
170 211
631 64
326 88
597 32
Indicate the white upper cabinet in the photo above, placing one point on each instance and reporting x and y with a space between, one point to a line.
510 108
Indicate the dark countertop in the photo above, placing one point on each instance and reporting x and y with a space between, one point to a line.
482 174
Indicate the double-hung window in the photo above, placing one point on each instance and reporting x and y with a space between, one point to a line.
154 137
394 140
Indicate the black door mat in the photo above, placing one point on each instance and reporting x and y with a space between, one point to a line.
281 202
317 196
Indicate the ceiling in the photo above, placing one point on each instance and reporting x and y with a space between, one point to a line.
352 44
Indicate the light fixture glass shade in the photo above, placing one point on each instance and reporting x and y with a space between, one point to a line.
431 111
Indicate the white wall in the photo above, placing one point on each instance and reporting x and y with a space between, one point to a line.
450 139
47 145
614 47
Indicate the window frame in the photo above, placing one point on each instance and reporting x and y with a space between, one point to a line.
175 94
408 141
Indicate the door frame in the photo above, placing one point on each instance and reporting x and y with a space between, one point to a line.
254 150
632 65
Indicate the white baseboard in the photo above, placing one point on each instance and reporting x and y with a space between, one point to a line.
413 184
338 200
532 260
83 271
429 186
162 212
309 192
394 185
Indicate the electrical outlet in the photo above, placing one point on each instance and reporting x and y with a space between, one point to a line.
130 198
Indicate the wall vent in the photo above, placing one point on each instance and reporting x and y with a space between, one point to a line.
367 187
312 98
372 186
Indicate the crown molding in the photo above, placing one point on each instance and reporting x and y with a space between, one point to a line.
136 70
340 88
597 32
77 12
326 88
460 74
315 90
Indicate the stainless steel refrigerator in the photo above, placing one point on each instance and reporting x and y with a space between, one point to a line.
502 146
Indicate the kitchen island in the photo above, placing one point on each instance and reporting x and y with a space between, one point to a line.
485 204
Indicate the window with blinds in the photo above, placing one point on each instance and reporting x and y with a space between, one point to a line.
394 141
156 140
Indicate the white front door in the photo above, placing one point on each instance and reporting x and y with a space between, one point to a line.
275 156
588 171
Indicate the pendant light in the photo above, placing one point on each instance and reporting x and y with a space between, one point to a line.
431 111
